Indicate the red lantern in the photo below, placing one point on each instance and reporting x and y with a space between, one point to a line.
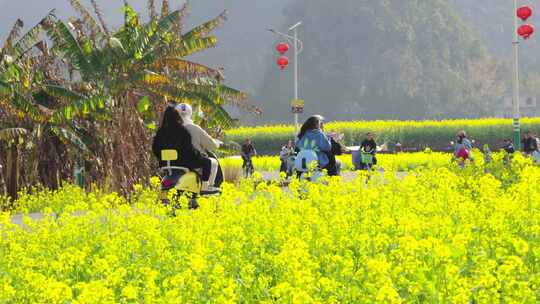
282 48
526 31
524 12
283 62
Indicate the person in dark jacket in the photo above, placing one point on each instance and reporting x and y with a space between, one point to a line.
334 165
369 145
529 144
247 152
508 146
172 135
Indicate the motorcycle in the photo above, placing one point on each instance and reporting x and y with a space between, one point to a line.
183 181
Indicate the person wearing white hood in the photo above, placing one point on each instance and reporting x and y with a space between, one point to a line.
202 142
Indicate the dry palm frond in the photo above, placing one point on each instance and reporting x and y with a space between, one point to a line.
12 133
179 23
42 46
13 34
165 10
99 14
152 9
86 19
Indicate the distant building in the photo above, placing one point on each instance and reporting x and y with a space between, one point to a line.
529 106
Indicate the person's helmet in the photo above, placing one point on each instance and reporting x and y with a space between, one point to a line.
185 110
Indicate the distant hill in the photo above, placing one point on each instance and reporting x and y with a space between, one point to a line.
386 60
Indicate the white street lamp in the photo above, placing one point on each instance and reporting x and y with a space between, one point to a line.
298 48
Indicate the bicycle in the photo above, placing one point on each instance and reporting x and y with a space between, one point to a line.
248 167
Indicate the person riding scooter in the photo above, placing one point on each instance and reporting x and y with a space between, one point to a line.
313 146
173 136
203 143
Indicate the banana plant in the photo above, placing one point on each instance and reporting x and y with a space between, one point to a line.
31 120
145 59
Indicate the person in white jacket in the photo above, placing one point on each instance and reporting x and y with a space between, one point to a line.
202 142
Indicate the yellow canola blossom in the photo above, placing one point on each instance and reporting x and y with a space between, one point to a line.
438 234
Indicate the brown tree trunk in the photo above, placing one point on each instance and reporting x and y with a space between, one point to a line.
13 171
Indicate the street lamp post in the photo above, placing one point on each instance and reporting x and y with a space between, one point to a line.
525 31
515 101
298 48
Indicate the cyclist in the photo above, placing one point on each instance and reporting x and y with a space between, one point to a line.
248 152
285 154
368 146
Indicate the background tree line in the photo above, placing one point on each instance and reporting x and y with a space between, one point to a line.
393 60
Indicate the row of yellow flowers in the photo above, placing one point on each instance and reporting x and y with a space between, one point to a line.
440 235
399 162
429 133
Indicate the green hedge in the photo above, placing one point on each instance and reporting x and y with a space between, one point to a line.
411 134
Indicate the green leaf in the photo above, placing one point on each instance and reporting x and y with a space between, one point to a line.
152 125
143 105
69 137
205 28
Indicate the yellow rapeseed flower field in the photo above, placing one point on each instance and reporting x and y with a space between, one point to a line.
429 133
435 235
400 161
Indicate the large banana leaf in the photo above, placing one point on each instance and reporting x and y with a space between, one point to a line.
21 104
192 46
87 106
31 38
153 34
185 67
14 33
63 93
179 94
149 78
69 137
219 116
205 28
76 104
68 46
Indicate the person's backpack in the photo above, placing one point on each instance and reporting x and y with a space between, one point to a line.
307 157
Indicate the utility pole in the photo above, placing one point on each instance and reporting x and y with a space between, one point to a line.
297 105
515 101
525 31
